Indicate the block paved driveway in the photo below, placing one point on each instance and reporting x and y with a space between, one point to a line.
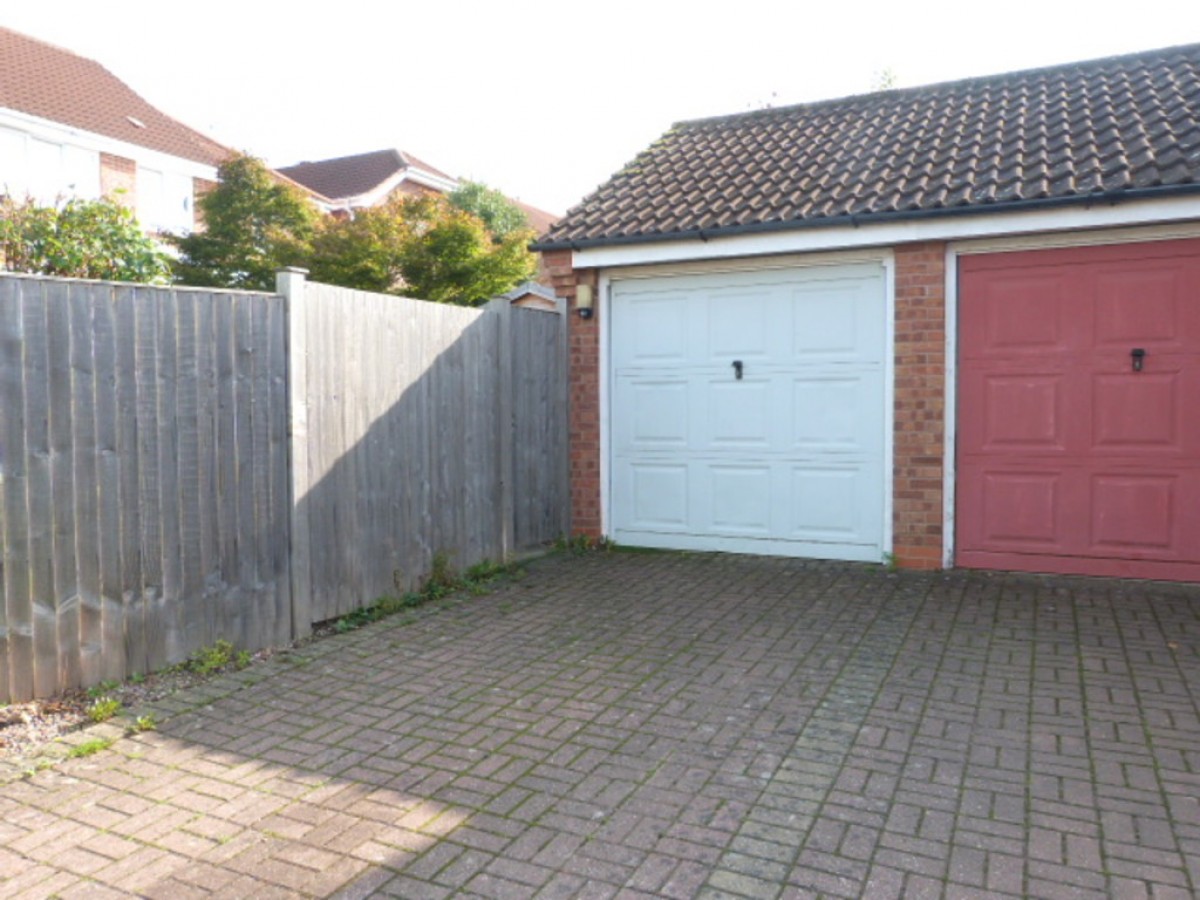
663 725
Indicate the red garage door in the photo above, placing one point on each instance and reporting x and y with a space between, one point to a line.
1079 411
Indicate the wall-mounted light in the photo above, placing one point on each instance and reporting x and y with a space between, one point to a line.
583 300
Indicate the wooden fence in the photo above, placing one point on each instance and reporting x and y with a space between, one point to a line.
422 425
151 501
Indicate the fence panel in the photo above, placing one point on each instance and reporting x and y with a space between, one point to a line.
422 430
403 443
124 457
540 432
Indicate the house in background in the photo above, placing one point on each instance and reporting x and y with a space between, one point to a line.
949 325
368 179
69 127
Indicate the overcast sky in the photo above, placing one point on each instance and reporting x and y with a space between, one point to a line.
544 99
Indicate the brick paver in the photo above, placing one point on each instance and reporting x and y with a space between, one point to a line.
658 725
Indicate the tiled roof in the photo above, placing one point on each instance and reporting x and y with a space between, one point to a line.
1118 127
42 80
539 220
352 176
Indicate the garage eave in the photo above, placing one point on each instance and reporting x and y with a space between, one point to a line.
1104 200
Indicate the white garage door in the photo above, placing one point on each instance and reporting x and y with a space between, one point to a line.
748 412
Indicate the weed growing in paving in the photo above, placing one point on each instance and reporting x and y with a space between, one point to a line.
145 723
219 656
104 709
581 544
87 748
441 582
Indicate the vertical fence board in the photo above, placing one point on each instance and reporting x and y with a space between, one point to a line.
168 612
38 491
228 615
16 608
247 615
505 400
62 603
276 532
260 398
207 485
187 426
108 485
85 501
149 486
128 404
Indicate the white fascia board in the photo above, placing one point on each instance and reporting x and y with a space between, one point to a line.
940 228
57 132
420 176
385 188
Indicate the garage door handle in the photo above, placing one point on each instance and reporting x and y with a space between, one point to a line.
1138 355
737 369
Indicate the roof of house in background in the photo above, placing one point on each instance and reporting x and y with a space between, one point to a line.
366 178
46 81
350 177
539 220
1101 130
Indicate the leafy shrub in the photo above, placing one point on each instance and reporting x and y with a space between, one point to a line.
80 239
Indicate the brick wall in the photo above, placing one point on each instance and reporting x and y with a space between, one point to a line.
200 187
118 179
583 345
920 404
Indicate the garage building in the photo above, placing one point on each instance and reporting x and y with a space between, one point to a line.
950 325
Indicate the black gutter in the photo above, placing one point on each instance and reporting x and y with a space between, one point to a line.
856 220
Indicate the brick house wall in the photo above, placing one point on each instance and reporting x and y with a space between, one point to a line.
118 179
920 365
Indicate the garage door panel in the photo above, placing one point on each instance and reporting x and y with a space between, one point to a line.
827 503
835 413
658 331
1011 316
1023 412
657 414
1070 458
739 499
1136 306
1021 508
736 415
657 496
1134 512
1137 414
740 325
835 320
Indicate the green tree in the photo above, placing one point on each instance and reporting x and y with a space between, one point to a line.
424 247
80 239
362 252
501 216
254 224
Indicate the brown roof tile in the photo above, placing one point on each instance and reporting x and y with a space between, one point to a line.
42 80
1055 135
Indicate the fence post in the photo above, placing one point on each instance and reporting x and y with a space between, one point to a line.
290 283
